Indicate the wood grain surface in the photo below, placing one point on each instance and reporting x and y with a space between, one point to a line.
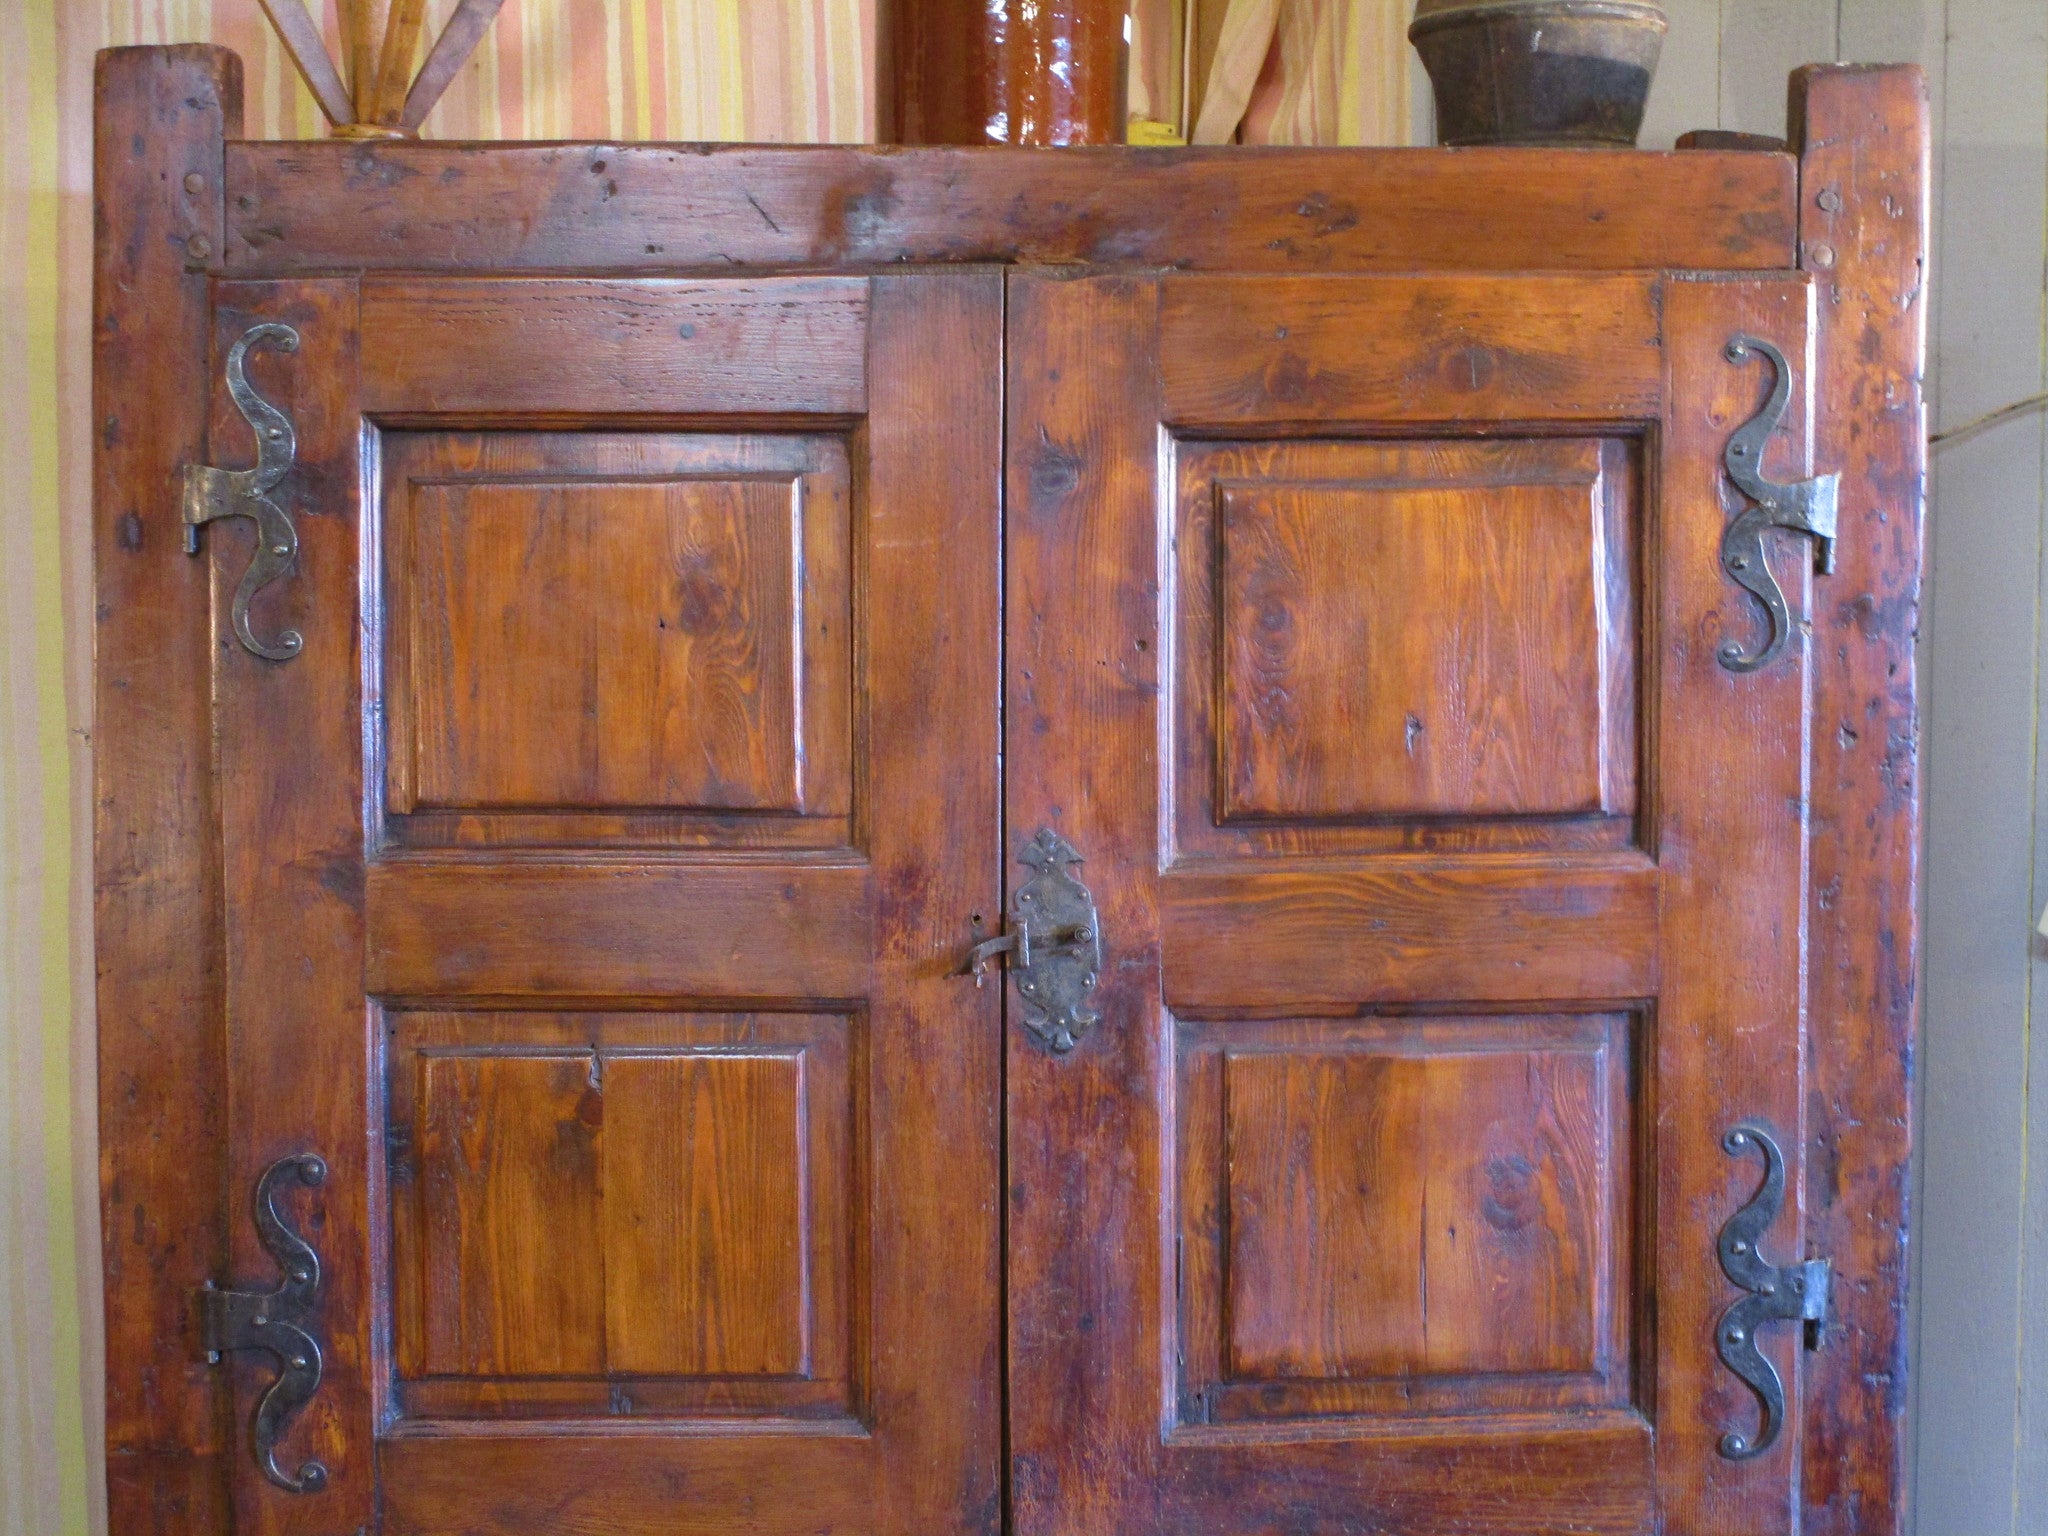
651 208
160 117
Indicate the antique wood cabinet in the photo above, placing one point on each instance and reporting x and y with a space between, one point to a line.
1074 842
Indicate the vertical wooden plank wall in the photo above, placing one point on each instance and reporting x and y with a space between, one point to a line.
1979 1388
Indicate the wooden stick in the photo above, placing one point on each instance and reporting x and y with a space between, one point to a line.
303 42
394 69
451 51
362 24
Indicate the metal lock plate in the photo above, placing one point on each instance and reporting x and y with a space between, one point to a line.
1054 945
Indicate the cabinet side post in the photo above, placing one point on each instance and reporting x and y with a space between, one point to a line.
1861 133
161 116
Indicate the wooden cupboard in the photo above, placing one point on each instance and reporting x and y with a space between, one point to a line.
1402 657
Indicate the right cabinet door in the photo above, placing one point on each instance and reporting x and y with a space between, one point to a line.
1381 646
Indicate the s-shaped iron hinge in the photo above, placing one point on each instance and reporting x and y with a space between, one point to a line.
279 1323
1773 1292
211 494
1808 507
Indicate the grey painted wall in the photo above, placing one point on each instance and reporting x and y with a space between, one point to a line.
1980 1357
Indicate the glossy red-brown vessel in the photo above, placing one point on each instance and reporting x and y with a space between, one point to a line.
1003 71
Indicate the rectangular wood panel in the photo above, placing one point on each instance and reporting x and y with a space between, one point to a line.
605 645
510 1256
707 1205
625 1212
616 639
1434 641
579 347
1422 1214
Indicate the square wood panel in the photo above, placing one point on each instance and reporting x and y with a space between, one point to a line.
622 1214
1405 644
1404 1215
617 639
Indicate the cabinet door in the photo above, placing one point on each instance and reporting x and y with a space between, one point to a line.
585 912
1369 640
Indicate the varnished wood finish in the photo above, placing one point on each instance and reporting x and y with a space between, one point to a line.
653 208
1471 1174
1379 653
1463 349
589 893
160 115
1730 760
575 347
1267 1283
597 639
1865 139
1260 933
289 766
1039 72
650 1209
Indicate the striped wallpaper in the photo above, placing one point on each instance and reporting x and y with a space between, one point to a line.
633 69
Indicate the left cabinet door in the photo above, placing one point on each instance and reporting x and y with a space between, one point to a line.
584 908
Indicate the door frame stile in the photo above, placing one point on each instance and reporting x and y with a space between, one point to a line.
162 119
1864 143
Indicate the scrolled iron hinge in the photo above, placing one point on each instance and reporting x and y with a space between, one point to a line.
1774 1293
1808 507
211 494
276 1322
1054 946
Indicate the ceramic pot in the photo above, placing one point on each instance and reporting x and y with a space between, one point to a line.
1570 72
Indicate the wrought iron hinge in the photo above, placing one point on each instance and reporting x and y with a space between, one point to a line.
1808 507
211 494
1054 946
1775 1292
276 1322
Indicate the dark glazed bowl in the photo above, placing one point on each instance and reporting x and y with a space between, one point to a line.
1539 71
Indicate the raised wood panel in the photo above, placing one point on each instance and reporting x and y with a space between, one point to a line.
613 645
1404 1215
616 639
510 1190
706 1202
1378 350
581 347
1433 639
637 207
625 1214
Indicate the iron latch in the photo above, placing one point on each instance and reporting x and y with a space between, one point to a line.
278 1322
1808 506
1775 1293
1053 946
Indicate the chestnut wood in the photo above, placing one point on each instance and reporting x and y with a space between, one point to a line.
590 208
1036 72
1865 138
157 177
